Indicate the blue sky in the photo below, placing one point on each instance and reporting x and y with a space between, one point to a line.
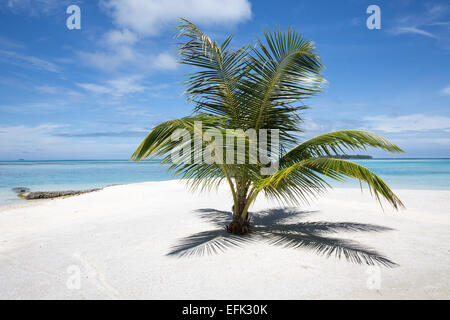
94 93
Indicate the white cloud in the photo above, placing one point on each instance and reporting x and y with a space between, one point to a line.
124 57
165 61
95 88
126 85
137 19
116 87
117 37
413 122
446 91
310 125
109 61
149 17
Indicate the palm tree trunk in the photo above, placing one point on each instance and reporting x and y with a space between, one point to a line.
240 224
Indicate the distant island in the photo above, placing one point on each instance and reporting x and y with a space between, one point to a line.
352 156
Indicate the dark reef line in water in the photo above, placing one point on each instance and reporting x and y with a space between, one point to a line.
25 193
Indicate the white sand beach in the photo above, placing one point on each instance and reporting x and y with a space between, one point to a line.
118 241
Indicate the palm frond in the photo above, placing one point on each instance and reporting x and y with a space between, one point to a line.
158 141
339 169
305 179
285 69
337 142
214 88
293 185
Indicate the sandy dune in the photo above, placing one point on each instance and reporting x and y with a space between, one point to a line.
115 243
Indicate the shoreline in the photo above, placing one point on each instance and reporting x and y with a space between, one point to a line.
40 196
135 241
23 202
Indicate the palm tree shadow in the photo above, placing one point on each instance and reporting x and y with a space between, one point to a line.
274 227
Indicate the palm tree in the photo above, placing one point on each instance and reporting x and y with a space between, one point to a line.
260 86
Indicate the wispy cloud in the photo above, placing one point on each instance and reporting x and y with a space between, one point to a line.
408 123
36 7
413 30
48 89
115 87
432 23
5 42
309 125
18 59
125 86
126 57
133 111
119 134
425 143
36 107
23 138
446 91
110 60
58 91
45 141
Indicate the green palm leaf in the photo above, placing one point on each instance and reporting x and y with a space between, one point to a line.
337 142
306 179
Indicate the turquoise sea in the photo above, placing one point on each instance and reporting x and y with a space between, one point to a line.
77 175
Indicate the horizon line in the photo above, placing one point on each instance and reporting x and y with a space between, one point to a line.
24 160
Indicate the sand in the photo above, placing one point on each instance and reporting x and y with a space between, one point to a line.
114 244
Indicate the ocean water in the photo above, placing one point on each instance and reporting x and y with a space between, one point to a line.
74 175
78 175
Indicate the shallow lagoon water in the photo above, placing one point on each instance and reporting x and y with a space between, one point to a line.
431 174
